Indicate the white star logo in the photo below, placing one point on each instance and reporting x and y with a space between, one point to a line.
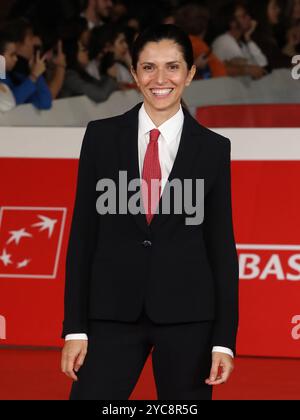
23 264
46 224
5 258
17 235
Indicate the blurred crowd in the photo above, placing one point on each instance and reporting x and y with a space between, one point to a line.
65 48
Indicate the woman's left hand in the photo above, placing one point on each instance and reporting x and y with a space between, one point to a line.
60 59
221 369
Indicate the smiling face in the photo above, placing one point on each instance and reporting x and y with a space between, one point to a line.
10 55
162 75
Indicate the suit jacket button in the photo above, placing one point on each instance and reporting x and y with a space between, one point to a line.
147 244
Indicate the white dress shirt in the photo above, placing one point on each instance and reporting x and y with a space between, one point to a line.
226 47
168 143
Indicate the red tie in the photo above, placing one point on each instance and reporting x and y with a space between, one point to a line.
151 171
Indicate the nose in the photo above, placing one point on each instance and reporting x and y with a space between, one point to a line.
160 76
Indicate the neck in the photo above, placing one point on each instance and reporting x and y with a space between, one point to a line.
160 116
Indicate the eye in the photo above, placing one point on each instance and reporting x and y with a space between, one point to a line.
147 68
174 66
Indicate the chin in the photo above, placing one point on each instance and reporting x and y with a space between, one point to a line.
161 104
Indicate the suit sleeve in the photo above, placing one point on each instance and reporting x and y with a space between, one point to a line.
222 254
82 242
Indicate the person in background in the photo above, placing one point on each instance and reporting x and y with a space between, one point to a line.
119 11
235 46
108 47
96 50
76 28
267 13
290 30
8 52
78 82
29 86
293 12
194 19
28 44
97 12
56 69
292 46
127 20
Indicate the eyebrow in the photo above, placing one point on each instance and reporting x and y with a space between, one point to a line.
170 62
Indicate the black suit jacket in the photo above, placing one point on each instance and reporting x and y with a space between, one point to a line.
115 263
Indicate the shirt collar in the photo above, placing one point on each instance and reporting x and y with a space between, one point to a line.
169 129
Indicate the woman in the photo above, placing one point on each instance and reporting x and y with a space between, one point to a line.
134 283
194 20
26 88
267 13
290 29
293 11
7 62
78 82
108 46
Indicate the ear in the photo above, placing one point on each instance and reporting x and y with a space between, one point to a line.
191 75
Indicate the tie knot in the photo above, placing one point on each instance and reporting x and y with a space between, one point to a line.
154 135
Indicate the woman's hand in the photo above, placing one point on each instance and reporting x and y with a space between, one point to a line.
60 59
73 355
37 66
248 34
221 369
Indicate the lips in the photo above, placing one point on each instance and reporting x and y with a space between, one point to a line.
161 93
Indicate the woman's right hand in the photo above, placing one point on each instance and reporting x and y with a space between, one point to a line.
38 66
73 356
60 58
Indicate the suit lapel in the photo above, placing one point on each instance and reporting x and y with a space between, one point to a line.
129 155
189 148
